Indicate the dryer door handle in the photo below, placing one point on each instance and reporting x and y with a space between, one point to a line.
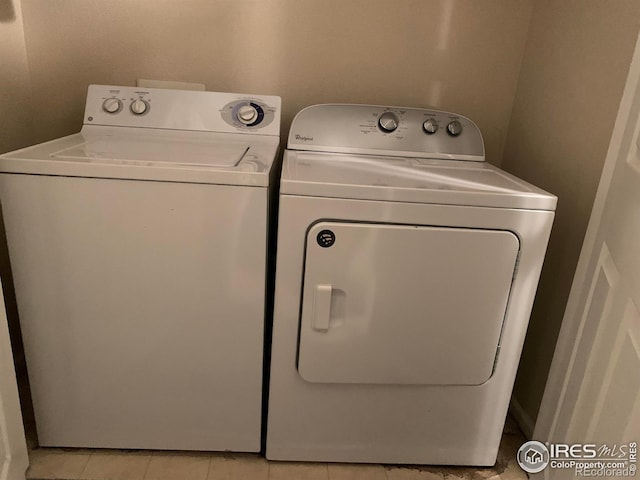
321 307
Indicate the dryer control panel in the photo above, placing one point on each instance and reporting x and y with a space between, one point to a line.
390 131
182 110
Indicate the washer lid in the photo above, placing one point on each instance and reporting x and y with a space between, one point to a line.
413 180
150 154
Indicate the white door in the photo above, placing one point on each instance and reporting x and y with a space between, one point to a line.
13 448
593 391
387 304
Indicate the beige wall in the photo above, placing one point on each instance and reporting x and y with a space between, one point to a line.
15 111
574 69
461 55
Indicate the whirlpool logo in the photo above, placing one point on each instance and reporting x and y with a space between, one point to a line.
303 138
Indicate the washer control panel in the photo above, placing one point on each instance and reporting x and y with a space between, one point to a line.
182 110
373 129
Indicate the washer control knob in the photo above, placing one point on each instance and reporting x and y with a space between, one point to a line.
430 126
388 122
112 105
454 128
247 114
139 106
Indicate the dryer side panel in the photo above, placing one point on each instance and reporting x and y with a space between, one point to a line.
401 304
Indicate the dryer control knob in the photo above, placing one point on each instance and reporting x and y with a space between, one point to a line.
430 126
139 106
112 105
454 128
388 122
247 114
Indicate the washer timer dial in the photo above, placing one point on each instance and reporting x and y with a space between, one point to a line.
247 114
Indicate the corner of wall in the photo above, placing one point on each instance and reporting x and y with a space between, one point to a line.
15 82
532 11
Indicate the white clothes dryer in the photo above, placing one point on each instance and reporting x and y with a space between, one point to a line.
138 248
406 272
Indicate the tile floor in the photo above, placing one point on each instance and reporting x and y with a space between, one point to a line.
83 464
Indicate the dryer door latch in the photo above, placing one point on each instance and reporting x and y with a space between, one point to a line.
322 307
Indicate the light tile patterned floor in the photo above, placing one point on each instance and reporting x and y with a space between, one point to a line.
83 464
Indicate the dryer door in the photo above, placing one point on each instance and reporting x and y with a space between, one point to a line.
400 304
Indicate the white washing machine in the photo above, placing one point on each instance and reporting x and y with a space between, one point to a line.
138 248
406 271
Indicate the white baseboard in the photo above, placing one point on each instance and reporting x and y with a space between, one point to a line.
522 418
